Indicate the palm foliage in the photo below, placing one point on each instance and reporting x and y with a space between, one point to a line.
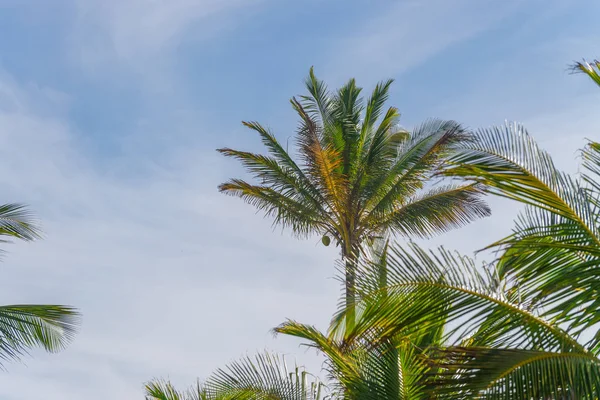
542 340
444 328
17 222
554 250
365 361
264 377
522 328
24 327
591 69
357 175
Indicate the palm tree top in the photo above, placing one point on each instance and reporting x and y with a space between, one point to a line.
356 173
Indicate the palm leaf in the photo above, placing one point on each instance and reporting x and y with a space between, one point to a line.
264 376
24 327
590 69
16 221
484 373
438 210
429 290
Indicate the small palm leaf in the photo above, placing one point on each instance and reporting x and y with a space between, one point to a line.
24 327
590 69
265 376
16 221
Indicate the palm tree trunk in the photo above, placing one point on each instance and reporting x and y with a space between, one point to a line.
350 290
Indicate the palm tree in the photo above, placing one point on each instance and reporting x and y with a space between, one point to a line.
264 377
480 340
550 262
24 327
357 175
524 327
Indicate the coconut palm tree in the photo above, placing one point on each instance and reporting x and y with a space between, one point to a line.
264 377
526 326
357 175
471 333
550 263
24 327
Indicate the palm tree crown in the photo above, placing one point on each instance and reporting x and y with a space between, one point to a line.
357 174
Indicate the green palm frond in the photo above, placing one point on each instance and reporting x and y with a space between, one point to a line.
510 163
591 69
24 327
302 217
591 173
263 377
438 210
554 250
319 103
365 368
434 298
164 390
485 373
431 290
415 162
17 221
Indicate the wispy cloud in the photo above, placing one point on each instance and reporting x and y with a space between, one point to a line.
405 34
139 37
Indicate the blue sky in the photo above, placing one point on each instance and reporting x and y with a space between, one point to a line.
110 111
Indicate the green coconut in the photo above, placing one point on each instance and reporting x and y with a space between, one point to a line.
326 240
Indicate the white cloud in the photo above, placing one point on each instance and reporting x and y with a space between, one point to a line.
406 34
138 37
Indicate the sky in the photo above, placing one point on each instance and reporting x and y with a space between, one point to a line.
110 114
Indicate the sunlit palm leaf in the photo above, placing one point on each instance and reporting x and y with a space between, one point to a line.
554 251
591 69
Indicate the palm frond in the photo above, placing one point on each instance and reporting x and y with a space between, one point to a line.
322 161
319 103
303 218
429 290
590 69
418 159
265 376
277 177
438 210
17 221
162 390
485 373
591 174
508 161
283 157
24 327
358 369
